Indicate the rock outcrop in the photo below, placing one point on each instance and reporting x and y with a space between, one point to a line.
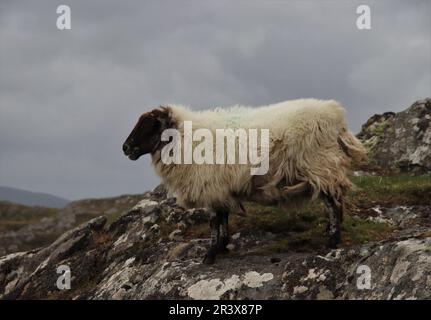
400 141
148 253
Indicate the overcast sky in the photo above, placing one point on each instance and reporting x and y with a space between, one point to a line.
68 99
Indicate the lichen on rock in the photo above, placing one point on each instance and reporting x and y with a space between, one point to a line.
400 142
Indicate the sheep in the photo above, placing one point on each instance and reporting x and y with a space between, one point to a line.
310 152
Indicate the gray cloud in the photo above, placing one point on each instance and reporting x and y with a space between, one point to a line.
68 99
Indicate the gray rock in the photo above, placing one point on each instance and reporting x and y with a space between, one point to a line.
128 260
400 141
175 235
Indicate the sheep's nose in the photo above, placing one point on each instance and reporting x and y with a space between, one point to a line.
126 148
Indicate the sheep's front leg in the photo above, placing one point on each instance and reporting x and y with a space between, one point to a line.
215 221
224 230
335 214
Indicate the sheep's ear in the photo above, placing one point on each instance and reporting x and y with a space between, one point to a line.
162 116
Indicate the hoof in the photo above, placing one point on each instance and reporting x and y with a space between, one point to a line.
223 250
210 256
327 229
209 259
334 240
223 242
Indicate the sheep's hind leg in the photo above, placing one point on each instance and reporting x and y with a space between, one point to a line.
215 221
297 188
335 214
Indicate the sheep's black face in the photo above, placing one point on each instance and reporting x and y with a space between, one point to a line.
145 136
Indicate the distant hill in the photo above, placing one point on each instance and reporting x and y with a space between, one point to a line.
31 198
24 227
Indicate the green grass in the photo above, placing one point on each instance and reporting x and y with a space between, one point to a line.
357 230
387 190
302 227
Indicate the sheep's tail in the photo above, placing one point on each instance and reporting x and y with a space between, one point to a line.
351 146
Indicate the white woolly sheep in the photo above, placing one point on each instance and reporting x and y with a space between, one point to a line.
310 151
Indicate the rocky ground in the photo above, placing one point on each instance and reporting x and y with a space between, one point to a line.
154 251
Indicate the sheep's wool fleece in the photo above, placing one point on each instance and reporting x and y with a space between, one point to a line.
304 145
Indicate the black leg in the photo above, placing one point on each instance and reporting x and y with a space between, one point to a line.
215 235
335 214
224 230
219 234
